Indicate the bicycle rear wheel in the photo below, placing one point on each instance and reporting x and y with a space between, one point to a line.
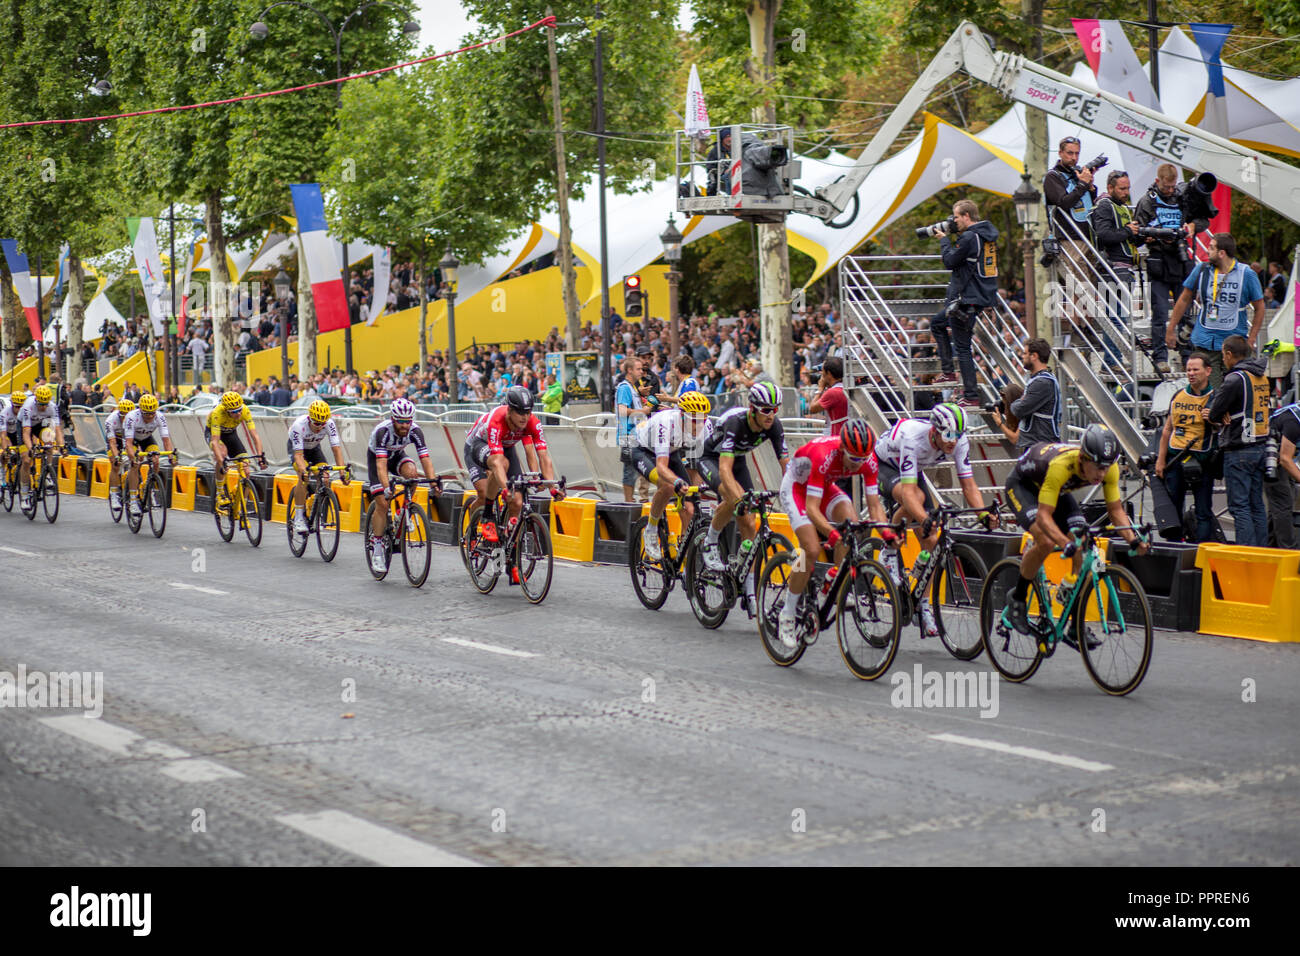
868 626
50 495
1122 631
327 524
10 489
710 593
223 511
1016 656
955 598
533 559
468 531
155 502
415 545
651 580
772 588
251 519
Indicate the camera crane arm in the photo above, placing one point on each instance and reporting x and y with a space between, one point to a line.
1270 181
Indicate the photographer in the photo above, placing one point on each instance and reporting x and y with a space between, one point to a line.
1167 205
973 259
1117 241
1240 404
718 164
1226 287
1187 451
1037 413
1280 492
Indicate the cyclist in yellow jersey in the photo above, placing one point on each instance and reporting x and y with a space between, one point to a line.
1038 490
221 435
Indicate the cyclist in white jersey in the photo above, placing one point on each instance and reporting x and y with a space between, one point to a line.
115 445
139 430
912 446
37 419
660 440
10 437
305 437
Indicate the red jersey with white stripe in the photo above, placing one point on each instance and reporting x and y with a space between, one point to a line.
819 464
494 428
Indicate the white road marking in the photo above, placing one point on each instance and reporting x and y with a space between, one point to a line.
25 554
370 841
118 740
194 587
198 770
461 642
1065 760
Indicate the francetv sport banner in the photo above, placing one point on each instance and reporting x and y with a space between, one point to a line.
323 269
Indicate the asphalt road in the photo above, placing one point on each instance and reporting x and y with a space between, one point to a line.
264 709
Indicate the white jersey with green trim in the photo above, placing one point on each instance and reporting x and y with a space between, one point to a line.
908 448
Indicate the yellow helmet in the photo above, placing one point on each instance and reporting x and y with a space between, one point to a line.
125 406
148 404
694 403
232 401
44 395
18 399
319 411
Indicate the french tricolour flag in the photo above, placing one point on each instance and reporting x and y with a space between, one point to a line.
23 284
323 270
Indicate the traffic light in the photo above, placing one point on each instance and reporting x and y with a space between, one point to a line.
633 297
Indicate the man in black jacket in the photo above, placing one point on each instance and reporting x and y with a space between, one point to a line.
1117 241
1165 206
1038 410
973 259
1240 405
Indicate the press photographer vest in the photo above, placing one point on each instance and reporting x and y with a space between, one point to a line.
1169 214
1083 208
1253 417
1048 422
1222 297
1190 430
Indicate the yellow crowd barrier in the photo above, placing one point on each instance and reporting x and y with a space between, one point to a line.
184 484
281 493
68 475
352 503
99 472
573 529
1251 593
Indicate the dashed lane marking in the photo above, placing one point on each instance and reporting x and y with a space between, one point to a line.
194 587
1033 753
462 642
370 841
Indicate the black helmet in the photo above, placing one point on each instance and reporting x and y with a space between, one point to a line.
1099 445
519 398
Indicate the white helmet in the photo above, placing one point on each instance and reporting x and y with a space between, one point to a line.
949 421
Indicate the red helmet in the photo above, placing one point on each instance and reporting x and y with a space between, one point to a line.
857 440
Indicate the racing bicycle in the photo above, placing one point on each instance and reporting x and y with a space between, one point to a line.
152 495
407 530
237 502
321 510
713 593
523 552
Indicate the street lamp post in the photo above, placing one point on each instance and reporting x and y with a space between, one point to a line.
283 284
450 267
260 30
672 241
1028 209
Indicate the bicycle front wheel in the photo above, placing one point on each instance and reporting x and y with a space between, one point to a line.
710 593
651 580
297 542
251 518
955 598
773 586
50 495
1116 646
415 545
468 531
327 524
533 559
867 623
155 502
369 545
1016 656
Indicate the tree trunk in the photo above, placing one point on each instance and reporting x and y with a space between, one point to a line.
773 250
568 277
76 315
223 332
12 309
424 315
306 319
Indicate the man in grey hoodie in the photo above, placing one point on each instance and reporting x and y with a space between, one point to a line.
973 259
1240 406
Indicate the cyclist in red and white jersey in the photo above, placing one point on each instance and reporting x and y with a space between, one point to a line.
491 459
814 503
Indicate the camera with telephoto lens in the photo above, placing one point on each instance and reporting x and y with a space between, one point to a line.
945 228
1051 251
1093 164
1270 456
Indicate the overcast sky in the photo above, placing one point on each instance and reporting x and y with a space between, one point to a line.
444 22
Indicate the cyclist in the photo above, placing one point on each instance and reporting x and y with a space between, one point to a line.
142 427
657 456
305 437
220 432
814 502
491 459
1038 490
386 453
723 466
912 446
38 418
115 440
10 436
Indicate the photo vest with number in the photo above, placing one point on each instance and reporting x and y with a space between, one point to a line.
1190 430
1249 423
